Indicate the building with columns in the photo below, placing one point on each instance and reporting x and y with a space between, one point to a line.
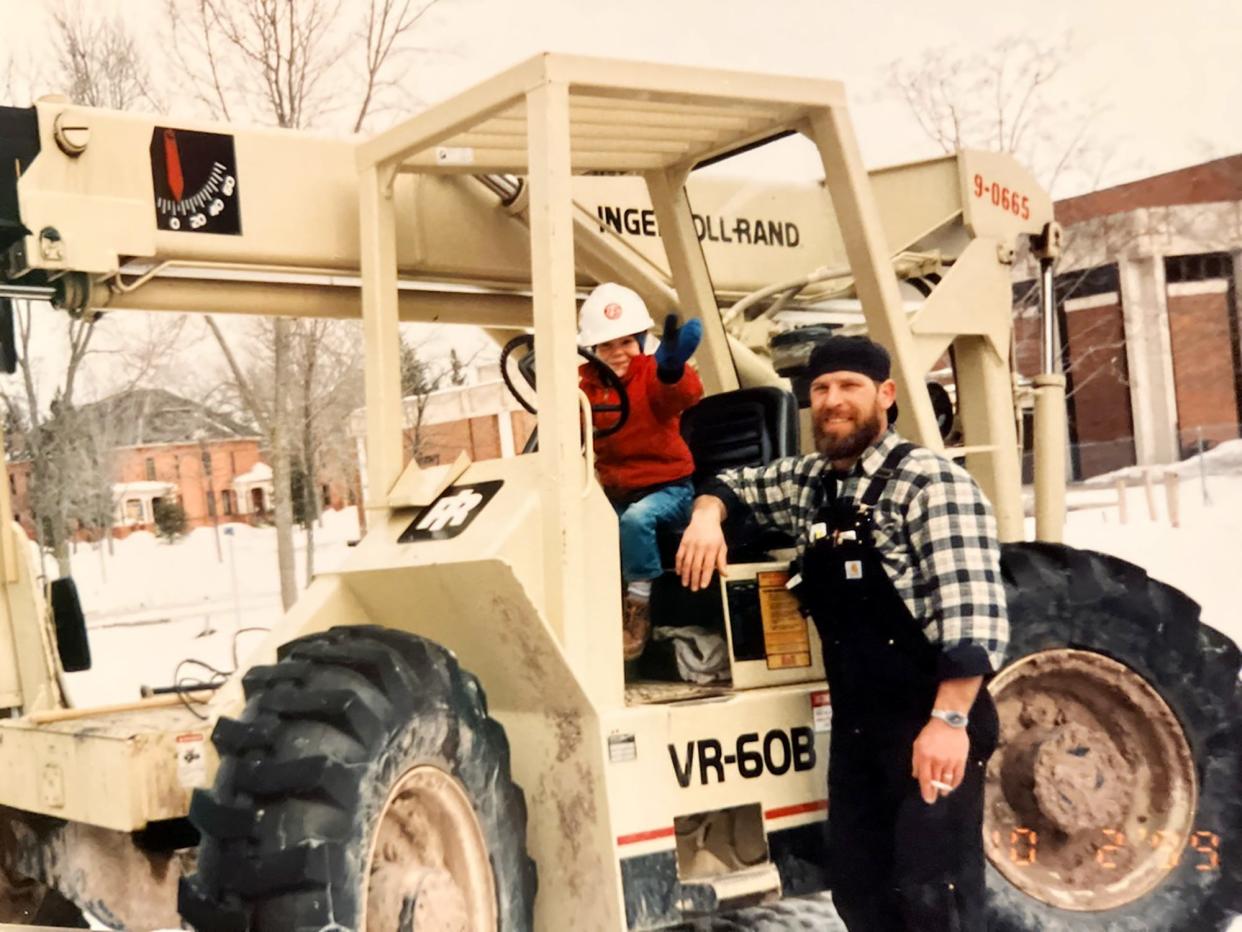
1149 317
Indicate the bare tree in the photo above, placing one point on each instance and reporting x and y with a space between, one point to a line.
280 61
419 379
99 60
269 410
50 431
387 26
285 61
328 358
1007 99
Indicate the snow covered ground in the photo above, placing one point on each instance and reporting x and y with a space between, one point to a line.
153 604
1202 557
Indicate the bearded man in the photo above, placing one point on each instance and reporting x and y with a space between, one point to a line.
899 566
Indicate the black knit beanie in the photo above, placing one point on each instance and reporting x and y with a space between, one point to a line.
852 354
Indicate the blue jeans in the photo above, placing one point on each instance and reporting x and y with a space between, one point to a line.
668 507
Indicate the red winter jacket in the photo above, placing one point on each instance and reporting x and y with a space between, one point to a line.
648 450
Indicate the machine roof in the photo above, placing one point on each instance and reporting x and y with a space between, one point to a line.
623 118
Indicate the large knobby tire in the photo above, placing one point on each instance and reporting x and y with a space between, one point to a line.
1064 598
308 774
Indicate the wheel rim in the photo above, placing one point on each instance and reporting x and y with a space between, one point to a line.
428 867
1092 792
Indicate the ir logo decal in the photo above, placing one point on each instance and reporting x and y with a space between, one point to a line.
612 311
451 513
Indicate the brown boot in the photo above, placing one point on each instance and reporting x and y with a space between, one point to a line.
635 626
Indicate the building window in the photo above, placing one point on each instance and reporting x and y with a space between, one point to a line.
13 483
233 462
226 499
150 469
1199 267
206 462
133 510
327 497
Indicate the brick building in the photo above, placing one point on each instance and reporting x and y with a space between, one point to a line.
481 419
163 447
1149 317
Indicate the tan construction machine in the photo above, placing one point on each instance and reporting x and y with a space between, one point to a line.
441 733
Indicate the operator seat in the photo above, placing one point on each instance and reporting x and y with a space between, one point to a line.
745 427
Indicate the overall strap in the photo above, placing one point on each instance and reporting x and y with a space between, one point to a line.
885 473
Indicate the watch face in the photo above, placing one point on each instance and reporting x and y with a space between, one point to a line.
195 179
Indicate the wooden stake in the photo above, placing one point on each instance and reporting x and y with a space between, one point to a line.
1121 501
1149 487
1172 487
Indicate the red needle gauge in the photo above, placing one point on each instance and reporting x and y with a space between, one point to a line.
194 181
172 165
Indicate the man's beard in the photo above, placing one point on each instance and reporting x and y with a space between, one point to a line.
852 444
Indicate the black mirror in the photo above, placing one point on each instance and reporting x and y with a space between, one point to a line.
70 624
8 338
942 405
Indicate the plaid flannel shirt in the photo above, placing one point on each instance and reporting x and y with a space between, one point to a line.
934 530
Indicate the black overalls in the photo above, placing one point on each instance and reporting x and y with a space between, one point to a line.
897 864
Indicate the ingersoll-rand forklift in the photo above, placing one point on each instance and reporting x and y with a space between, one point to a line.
441 733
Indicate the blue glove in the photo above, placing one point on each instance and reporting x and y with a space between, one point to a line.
677 345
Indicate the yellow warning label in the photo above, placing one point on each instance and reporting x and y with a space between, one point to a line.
786 640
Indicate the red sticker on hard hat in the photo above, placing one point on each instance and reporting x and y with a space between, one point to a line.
612 311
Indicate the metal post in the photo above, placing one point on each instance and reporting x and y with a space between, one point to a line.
562 473
228 532
1048 318
378 251
874 279
695 295
1049 420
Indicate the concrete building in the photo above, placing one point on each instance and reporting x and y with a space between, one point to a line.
1149 317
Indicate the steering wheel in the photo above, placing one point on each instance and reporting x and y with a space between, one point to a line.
610 380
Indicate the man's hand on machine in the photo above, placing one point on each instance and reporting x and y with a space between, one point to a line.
702 549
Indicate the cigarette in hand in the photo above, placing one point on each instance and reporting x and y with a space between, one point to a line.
943 787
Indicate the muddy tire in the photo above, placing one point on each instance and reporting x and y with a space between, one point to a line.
338 739
1063 598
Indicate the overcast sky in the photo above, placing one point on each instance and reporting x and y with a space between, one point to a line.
1165 77
1165 80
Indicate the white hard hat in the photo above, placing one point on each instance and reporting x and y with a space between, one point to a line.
612 311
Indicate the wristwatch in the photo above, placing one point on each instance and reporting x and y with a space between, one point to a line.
950 718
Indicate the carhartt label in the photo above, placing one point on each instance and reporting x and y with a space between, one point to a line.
191 760
622 748
853 569
821 711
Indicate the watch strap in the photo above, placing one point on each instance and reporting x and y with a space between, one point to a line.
951 718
